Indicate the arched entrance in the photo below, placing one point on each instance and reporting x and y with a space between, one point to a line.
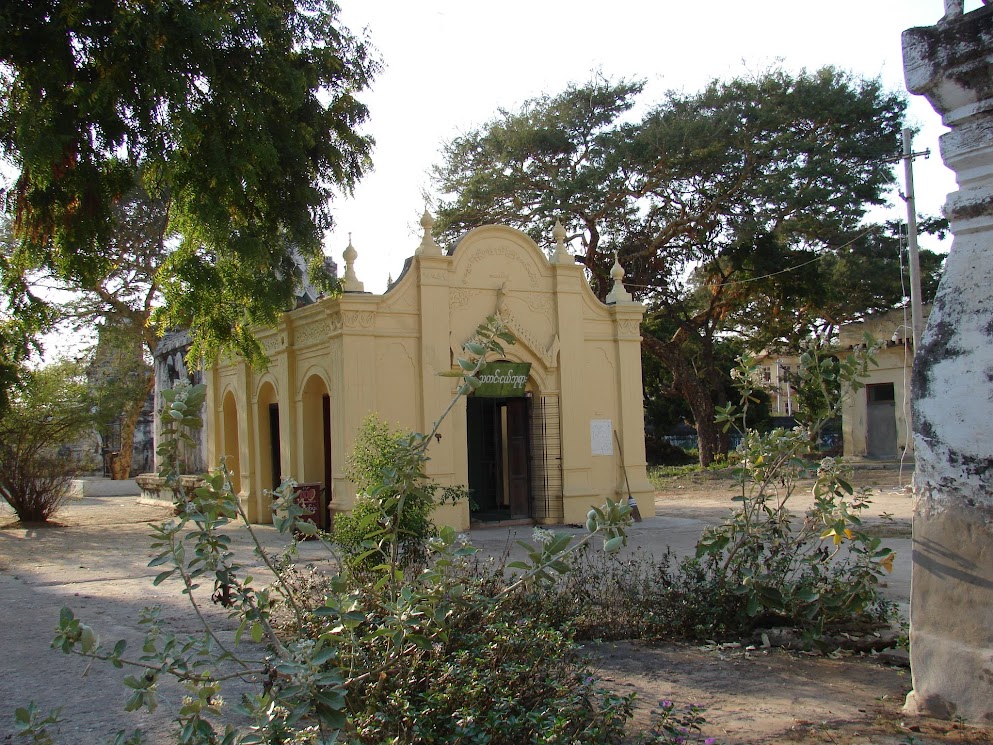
270 466
316 441
230 447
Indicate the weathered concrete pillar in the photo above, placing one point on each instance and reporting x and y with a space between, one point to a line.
951 625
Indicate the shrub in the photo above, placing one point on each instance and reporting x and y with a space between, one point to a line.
364 534
48 412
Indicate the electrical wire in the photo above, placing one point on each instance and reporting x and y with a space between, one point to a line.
781 271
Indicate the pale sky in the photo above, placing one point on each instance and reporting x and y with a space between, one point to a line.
450 64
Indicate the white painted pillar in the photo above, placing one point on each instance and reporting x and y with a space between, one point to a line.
951 628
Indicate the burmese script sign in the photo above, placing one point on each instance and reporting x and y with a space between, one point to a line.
503 379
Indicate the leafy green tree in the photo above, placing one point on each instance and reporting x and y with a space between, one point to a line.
51 410
702 197
242 117
869 274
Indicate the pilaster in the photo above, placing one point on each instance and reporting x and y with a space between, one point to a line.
577 486
434 282
631 404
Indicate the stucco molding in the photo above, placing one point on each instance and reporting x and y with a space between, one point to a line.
273 343
312 334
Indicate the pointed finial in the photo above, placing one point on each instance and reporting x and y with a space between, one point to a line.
428 247
617 293
561 255
350 283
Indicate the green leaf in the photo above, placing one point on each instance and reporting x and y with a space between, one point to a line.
258 632
162 577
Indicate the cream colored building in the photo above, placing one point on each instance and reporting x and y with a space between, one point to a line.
876 418
548 454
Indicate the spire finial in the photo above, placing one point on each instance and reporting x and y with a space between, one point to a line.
428 247
561 255
350 282
617 293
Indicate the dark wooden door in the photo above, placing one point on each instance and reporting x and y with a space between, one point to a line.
517 457
485 473
277 468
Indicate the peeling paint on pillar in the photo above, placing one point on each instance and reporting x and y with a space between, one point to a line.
951 626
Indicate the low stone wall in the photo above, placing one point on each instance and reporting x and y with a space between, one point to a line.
153 487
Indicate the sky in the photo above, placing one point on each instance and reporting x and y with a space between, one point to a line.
450 64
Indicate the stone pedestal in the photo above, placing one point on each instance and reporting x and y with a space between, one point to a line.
951 625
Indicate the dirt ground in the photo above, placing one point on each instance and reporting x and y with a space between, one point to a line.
96 559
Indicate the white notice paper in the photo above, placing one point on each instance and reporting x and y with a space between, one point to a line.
602 436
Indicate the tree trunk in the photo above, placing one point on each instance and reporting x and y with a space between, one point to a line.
698 393
120 467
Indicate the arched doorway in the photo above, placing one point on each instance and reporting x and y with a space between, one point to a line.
316 421
230 446
270 466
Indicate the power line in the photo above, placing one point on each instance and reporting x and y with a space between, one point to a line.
773 274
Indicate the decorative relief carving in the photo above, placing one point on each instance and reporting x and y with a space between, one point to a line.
273 343
629 328
540 302
315 333
459 298
509 252
549 355
356 319
334 321
436 276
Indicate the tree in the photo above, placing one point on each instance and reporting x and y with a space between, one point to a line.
870 274
120 379
51 410
240 117
702 197
119 302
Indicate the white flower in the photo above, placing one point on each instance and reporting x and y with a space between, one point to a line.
542 536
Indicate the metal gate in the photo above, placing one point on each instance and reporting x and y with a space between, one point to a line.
546 459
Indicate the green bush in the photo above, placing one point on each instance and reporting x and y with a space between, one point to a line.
365 534
49 411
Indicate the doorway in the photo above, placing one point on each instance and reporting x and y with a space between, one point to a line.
880 421
498 448
274 449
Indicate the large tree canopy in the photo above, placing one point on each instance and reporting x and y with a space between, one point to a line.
713 200
241 117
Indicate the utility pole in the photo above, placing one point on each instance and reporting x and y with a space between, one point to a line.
914 260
